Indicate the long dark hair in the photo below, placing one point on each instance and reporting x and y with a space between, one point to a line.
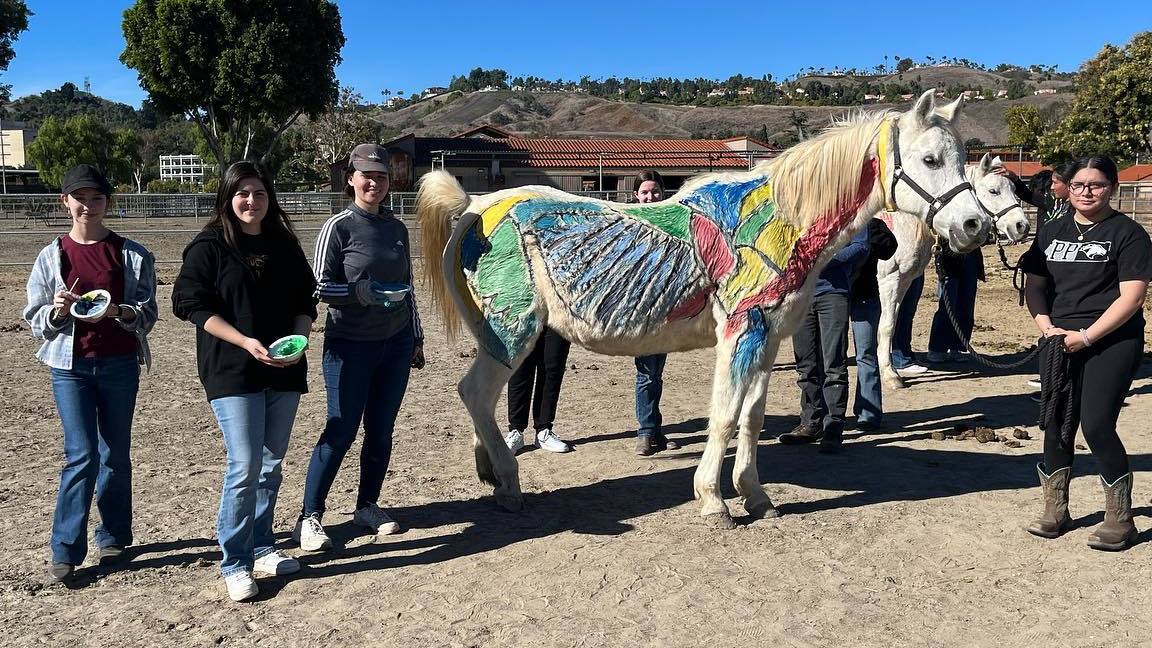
1101 163
275 222
648 175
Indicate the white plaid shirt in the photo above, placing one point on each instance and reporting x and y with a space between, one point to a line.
45 281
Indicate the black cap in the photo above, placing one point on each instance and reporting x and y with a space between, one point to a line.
369 157
85 175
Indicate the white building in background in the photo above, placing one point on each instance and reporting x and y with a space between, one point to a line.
183 168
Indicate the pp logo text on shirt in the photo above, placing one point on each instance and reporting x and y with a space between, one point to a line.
1078 252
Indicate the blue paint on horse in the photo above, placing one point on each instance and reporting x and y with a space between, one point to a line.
505 343
472 246
749 350
720 201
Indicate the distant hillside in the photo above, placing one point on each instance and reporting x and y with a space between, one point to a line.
578 115
69 101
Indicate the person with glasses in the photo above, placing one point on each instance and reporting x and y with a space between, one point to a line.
1088 273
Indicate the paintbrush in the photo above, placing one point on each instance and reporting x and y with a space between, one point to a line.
59 311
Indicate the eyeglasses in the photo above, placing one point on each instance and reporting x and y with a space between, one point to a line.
1089 187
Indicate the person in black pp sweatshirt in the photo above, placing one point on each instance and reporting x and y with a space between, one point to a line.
244 283
372 341
1088 274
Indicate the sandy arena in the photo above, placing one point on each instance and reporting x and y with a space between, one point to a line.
901 540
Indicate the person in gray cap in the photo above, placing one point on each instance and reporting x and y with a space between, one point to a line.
372 339
95 357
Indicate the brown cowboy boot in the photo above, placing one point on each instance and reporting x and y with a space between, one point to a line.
1117 531
1055 520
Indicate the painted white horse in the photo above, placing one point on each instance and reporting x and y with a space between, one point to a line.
914 252
729 260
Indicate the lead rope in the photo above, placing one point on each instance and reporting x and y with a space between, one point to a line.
981 358
1056 402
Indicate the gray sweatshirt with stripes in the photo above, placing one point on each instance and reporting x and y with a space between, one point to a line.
355 245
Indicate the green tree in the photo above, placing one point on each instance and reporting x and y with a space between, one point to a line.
13 21
235 68
61 145
331 135
1112 112
904 65
973 142
1025 126
799 121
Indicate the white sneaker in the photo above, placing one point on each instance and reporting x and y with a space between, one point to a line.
912 370
310 535
547 440
1035 382
275 564
240 586
514 440
374 517
936 357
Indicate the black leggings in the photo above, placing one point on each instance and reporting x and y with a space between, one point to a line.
545 367
1101 377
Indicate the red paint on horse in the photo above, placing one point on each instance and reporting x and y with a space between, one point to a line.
714 252
692 306
808 247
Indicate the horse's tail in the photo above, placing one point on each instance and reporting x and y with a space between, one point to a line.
439 201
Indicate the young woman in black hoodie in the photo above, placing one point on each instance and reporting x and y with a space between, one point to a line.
245 282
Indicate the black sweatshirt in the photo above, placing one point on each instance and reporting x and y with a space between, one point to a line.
881 245
260 289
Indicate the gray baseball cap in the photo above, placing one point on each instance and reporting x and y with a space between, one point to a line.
369 157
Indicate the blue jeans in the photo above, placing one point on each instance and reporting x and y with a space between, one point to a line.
902 355
868 405
960 291
96 399
256 429
365 381
649 388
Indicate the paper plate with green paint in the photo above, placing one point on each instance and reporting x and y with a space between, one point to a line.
288 348
91 305
392 292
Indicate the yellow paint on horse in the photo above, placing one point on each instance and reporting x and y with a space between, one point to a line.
751 274
777 240
754 200
496 212
883 143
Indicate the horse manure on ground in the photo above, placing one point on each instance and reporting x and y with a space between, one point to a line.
1021 433
981 433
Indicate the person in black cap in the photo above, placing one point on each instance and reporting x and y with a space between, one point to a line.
372 340
95 366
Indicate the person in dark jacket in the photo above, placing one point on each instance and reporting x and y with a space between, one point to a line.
956 283
821 347
1047 191
245 283
864 312
372 341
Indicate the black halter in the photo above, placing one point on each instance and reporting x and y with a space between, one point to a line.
997 215
935 204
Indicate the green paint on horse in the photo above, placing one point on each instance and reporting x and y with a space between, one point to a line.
748 231
502 281
672 219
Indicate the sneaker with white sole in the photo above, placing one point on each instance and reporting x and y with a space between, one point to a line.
374 517
514 440
912 370
1035 382
275 564
547 440
241 586
937 357
310 535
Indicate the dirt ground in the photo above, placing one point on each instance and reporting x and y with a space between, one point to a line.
901 540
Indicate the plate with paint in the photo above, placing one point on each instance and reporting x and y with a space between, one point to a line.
288 348
92 305
392 292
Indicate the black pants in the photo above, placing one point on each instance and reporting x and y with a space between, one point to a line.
821 347
544 367
1101 377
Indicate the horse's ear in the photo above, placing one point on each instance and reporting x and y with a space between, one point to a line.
925 105
952 110
986 163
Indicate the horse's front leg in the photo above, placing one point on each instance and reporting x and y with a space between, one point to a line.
730 386
891 292
745 475
480 390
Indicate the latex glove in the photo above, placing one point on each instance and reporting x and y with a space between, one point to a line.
364 293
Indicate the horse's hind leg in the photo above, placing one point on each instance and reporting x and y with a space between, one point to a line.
745 475
480 390
891 292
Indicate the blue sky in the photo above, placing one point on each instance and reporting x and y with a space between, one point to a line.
410 45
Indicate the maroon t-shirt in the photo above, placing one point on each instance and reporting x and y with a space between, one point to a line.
94 266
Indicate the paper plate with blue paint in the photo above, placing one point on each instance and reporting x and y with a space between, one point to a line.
393 292
91 305
288 348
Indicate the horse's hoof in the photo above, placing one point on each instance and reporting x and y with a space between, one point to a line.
762 510
510 503
720 520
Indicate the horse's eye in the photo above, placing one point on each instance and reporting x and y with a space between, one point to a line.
930 161
994 192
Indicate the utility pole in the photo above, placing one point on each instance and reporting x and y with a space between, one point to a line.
3 154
